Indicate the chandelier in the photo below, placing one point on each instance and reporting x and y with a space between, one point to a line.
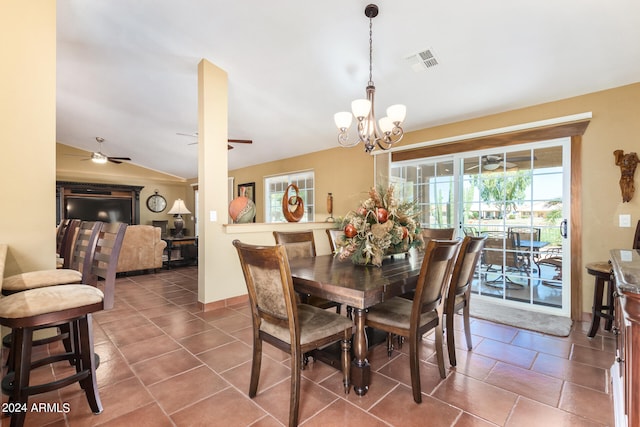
387 131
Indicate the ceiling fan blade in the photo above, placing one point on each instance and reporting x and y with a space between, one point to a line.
472 167
114 161
240 141
510 165
229 147
119 158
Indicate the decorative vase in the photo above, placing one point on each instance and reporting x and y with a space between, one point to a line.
242 209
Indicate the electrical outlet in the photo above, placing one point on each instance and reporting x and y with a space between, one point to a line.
624 220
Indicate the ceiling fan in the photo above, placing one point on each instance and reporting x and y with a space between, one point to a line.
492 162
100 157
230 141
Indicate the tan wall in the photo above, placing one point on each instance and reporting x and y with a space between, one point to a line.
345 172
27 133
615 125
71 167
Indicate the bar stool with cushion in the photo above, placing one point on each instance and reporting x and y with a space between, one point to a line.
77 263
301 244
52 306
281 322
412 319
459 294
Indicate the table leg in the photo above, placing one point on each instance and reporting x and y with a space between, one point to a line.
360 369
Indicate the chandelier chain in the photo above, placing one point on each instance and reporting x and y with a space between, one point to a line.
370 51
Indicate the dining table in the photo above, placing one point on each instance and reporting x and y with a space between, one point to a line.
359 287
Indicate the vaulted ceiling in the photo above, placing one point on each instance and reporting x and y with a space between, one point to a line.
127 71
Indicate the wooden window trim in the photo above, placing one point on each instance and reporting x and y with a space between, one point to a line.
574 130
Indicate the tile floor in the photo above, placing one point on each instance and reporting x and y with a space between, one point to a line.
164 363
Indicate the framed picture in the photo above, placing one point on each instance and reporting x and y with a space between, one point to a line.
249 190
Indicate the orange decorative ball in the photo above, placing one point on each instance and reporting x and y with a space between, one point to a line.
382 215
350 231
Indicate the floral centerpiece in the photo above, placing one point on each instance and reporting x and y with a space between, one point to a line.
380 226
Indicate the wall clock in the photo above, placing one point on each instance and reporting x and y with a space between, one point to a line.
156 203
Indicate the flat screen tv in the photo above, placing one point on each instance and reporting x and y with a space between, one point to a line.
103 209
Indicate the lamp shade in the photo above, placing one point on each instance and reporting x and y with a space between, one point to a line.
397 113
178 208
343 119
361 108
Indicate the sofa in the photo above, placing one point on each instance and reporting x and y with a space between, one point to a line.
142 249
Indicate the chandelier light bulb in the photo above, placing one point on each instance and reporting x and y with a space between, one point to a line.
397 113
361 108
386 125
343 119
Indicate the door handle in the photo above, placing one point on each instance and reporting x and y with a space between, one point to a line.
563 228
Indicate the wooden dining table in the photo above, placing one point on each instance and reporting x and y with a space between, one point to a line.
359 287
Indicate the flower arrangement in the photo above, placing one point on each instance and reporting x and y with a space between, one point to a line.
380 226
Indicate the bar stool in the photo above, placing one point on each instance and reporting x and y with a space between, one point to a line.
604 278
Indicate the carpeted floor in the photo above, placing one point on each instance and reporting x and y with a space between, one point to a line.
539 322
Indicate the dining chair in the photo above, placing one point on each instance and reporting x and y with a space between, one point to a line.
33 309
413 318
278 320
301 244
459 293
60 232
437 233
334 235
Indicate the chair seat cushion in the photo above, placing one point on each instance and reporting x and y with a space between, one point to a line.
42 278
315 323
51 299
396 313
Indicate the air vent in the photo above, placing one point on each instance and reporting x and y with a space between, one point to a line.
422 60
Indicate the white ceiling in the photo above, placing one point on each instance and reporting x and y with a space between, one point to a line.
127 70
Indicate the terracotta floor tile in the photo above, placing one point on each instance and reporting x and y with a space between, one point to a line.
399 409
228 408
529 413
578 373
164 362
151 371
533 385
205 341
341 413
542 343
587 403
506 353
227 356
184 389
589 356
476 397
148 416
146 349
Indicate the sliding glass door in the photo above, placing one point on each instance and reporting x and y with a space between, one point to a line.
517 197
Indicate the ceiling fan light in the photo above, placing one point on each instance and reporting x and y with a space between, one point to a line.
397 113
361 108
98 158
343 119
492 166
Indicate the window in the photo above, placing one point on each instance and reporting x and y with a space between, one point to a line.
274 191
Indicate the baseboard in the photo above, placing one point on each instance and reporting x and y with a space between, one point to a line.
216 305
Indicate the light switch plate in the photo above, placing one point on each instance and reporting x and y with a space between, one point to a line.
624 220
213 216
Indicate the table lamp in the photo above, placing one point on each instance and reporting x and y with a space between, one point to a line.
177 210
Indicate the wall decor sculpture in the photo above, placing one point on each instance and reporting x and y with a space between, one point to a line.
292 207
627 163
